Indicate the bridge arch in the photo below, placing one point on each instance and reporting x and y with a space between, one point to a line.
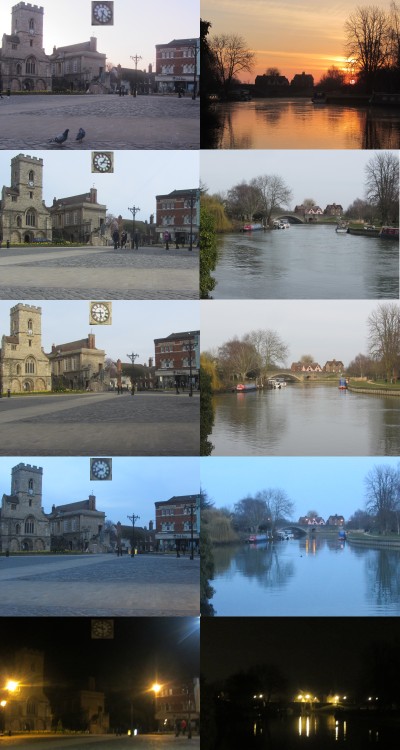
291 218
287 374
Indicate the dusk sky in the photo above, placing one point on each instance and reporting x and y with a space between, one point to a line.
138 177
136 31
136 484
317 327
308 174
135 324
327 485
292 36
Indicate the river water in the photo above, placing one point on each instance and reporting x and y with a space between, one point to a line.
307 577
305 420
306 262
298 123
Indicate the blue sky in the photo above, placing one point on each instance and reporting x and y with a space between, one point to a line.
327 485
136 484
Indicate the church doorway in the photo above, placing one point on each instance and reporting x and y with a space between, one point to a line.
27 545
27 237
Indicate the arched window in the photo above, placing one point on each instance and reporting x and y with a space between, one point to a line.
30 366
19 69
31 707
19 221
30 218
31 175
30 65
18 528
30 326
18 369
31 25
29 526
30 484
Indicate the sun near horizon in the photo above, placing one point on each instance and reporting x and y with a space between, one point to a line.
295 38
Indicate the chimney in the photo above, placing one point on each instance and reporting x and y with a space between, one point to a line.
93 44
150 68
92 502
150 361
151 218
91 341
93 195
150 525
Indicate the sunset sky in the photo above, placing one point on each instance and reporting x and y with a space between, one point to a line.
292 35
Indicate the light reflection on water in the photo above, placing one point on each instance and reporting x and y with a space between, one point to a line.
310 577
306 420
306 262
297 123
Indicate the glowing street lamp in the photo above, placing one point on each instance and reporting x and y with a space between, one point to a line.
11 686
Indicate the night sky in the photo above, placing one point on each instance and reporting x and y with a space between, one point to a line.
143 650
313 653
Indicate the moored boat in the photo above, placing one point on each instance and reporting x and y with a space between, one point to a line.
342 227
244 387
255 538
342 384
389 233
252 227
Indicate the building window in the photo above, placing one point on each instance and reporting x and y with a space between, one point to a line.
68 219
75 66
75 217
31 175
31 65
19 67
30 484
29 526
15 46
30 218
13 199
31 25
30 366
18 526
30 326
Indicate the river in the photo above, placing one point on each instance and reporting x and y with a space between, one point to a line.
306 262
298 123
314 576
305 420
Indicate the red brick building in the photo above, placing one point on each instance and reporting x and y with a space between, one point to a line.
178 66
177 523
177 360
178 214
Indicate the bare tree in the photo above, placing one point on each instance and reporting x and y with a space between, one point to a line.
251 513
231 57
368 41
274 194
278 504
307 359
238 358
384 337
270 348
395 34
309 202
243 201
383 492
382 184
332 79
272 71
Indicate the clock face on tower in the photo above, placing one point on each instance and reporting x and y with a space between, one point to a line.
100 468
100 313
102 628
102 13
102 162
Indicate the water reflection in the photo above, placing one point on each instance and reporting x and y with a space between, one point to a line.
297 123
306 262
315 575
293 422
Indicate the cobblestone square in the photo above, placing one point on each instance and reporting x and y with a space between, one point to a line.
112 122
99 272
100 585
147 424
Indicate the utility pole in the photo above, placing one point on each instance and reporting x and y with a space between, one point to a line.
136 59
133 518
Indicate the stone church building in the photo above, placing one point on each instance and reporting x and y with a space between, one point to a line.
23 524
24 65
23 364
23 215
28 708
25 218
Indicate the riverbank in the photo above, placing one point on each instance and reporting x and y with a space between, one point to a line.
373 540
375 389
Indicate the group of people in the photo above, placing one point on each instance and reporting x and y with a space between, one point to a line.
120 239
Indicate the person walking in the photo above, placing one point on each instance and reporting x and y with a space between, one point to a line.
136 239
115 237
167 238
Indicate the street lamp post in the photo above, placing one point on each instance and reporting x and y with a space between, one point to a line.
132 357
191 508
156 687
136 59
190 365
133 518
134 210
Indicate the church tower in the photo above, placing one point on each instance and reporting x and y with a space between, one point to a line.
24 217
23 524
27 24
24 365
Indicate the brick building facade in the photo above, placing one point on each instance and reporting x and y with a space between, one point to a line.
178 66
177 359
178 214
178 523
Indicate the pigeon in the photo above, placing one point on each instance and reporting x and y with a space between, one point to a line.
60 139
81 134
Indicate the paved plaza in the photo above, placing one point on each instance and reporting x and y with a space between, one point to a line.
102 742
100 586
150 423
112 122
99 272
